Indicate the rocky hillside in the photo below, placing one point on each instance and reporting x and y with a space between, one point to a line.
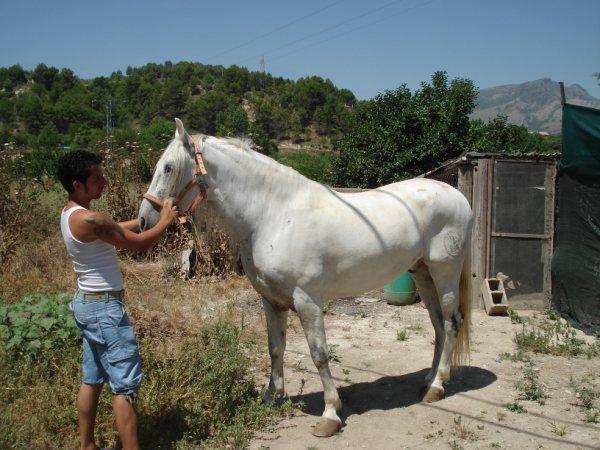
535 104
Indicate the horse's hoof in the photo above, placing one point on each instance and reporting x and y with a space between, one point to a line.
434 394
272 398
326 428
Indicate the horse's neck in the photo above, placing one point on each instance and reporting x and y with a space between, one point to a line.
247 191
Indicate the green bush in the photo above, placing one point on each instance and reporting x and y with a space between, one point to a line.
197 391
399 134
37 323
554 337
315 166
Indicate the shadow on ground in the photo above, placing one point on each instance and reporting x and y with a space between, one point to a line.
393 392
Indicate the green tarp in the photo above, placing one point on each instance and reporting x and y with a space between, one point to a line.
576 260
580 143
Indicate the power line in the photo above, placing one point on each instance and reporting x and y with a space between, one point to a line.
353 30
268 33
324 30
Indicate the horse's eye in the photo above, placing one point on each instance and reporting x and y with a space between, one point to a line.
167 169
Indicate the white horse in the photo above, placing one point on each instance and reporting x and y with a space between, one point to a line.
302 242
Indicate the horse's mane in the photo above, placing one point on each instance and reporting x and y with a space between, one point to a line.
260 160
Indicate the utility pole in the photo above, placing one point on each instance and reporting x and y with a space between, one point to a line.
262 69
109 125
108 108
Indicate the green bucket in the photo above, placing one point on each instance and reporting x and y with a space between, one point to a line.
401 291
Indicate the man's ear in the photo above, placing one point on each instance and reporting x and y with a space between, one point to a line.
78 185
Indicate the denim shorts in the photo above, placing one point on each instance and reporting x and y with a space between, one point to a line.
110 350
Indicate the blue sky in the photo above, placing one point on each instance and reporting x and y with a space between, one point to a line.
364 46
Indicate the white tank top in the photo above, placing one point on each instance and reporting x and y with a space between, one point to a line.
95 263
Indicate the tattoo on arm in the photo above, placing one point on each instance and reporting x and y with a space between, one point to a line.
103 226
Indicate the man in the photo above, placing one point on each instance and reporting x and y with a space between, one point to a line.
110 350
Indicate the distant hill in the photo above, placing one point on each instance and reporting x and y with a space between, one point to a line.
535 104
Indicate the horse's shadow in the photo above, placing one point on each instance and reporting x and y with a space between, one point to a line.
393 392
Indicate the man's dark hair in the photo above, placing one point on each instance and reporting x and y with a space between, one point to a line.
75 166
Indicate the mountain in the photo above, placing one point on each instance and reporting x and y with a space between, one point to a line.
535 104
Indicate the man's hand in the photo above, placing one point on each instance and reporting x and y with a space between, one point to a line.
168 213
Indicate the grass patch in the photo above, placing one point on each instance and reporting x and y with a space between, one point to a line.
332 354
402 334
553 337
559 430
587 393
197 391
516 407
518 356
530 387
463 431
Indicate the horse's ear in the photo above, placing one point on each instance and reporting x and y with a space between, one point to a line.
180 130
183 135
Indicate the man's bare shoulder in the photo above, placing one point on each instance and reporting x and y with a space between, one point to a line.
96 223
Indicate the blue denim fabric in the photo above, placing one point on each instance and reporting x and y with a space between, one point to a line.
110 350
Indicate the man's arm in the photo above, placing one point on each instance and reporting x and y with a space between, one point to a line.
90 225
131 225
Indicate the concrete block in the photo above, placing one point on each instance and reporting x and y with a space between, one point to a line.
494 297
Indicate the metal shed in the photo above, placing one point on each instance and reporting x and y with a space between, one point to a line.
513 201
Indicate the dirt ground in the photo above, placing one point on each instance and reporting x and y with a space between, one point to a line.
379 376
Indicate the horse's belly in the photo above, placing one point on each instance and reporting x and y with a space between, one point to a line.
348 278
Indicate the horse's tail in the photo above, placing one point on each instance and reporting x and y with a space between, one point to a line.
462 352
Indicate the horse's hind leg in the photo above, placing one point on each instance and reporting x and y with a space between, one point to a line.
429 295
446 278
276 329
311 317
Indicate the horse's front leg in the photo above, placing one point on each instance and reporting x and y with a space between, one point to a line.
276 329
311 317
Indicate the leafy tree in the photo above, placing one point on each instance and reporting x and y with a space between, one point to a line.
399 135
84 136
235 81
4 134
201 112
232 122
262 141
12 77
309 94
31 111
64 81
499 136
75 107
332 118
45 75
7 109
171 99
158 134
270 116
49 137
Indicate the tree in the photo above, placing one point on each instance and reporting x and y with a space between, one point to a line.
30 111
7 109
232 122
400 135
45 75
269 115
12 77
497 135
309 94
49 137
201 113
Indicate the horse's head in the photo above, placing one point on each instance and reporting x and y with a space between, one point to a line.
175 169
